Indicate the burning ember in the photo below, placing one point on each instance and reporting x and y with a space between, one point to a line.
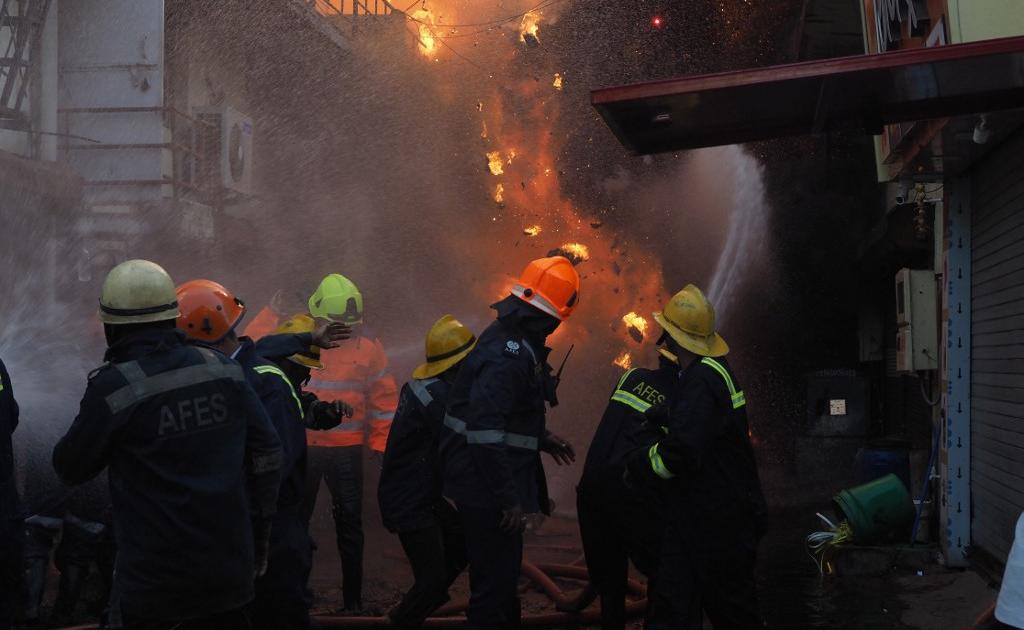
532 230
499 195
635 325
428 40
624 361
511 156
575 252
529 28
495 163
557 84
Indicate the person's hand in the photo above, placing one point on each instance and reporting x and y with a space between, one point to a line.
513 520
658 415
560 449
329 414
327 334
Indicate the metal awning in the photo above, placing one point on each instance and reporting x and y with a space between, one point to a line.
865 92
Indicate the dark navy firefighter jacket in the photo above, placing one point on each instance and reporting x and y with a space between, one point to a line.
285 410
410 481
9 505
192 460
490 442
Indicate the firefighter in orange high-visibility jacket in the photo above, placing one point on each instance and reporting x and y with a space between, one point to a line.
356 373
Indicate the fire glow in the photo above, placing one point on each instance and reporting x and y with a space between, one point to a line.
495 163
499 195
578 250
624 360
428 39
557 83
532 230
529 28
635 325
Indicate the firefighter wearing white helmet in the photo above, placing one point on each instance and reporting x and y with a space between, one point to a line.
158 402
138 292
705 466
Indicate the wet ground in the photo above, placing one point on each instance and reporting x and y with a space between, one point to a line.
793 595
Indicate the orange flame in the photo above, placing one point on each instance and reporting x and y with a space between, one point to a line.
530 26
499 195
532 230
428 39
557 83
624 361
578 250
511 156
633 320
494 162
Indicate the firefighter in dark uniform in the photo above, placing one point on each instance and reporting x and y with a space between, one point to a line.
706 464
10 509
409 494
619 524
193 463
209 316
494 431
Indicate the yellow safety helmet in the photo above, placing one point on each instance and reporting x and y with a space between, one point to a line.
448 342
690 319
337 299
138 292
302 323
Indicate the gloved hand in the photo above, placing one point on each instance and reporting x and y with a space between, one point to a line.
513 520
658 415
638 475
261 536
325 415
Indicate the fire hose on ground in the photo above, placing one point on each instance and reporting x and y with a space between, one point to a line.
541 575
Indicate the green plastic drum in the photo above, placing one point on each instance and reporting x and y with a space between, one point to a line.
879 511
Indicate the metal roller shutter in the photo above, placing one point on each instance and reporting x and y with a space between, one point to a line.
997 352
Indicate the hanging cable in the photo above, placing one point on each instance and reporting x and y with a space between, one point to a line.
821 545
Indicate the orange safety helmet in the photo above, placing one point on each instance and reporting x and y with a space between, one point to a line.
551 285
208 311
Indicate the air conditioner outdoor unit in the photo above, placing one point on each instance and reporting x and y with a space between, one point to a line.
224 141
916 325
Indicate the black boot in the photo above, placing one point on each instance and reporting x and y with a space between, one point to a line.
72 580
35 585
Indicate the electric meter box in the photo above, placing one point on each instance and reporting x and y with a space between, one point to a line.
916 326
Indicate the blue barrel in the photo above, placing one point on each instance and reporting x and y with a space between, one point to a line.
878 459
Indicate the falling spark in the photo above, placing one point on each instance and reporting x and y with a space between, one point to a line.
578 250
499 195
494 162
624 361
532 230
511 156
557 84
636 325
428 40
483 132
529 28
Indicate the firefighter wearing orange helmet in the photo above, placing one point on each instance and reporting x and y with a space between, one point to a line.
495 430
358 374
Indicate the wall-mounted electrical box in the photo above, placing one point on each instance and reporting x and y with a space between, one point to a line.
916 325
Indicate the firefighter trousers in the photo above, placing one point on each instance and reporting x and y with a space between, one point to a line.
437 555
341 468
495 561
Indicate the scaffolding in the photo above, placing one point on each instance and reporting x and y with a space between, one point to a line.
21 26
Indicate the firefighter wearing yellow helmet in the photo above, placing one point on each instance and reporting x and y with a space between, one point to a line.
409 493
705 466
356 373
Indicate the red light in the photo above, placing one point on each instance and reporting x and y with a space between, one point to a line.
656 21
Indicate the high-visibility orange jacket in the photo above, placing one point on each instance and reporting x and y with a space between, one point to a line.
357 373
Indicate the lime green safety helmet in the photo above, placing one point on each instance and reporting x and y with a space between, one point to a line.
337 299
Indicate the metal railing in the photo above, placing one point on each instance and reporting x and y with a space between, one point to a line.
186 146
